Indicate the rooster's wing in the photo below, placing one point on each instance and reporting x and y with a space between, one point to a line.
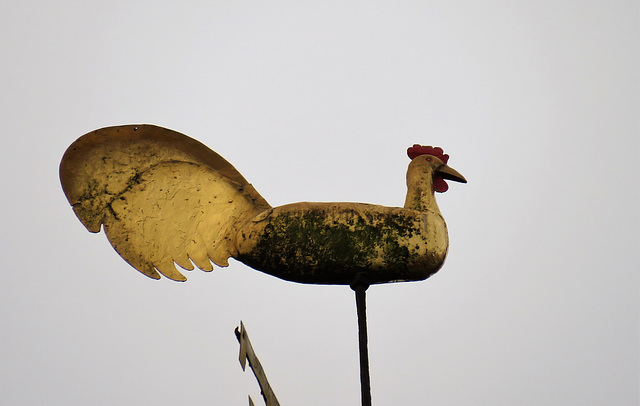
163 197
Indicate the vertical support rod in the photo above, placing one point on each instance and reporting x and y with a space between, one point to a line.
361 307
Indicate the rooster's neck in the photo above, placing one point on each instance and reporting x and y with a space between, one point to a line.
420 194
421 198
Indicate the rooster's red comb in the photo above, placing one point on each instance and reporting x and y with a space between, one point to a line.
418 150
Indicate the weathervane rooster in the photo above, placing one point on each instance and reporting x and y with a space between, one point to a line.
166 199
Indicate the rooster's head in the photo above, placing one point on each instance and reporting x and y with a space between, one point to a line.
434 160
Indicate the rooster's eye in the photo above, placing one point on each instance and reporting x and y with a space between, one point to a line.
429 159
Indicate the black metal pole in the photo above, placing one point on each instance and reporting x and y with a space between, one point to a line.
360 287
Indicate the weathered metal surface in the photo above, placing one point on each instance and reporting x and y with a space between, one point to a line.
166 199
329 243
248 354
163 197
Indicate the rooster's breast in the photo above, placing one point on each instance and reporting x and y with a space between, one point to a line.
329 243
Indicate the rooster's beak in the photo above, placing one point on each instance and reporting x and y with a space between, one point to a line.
446 172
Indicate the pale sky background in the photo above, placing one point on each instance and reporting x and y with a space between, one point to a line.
535 101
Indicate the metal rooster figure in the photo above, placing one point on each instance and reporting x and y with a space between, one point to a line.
165 199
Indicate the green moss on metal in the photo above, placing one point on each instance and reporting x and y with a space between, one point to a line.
327 246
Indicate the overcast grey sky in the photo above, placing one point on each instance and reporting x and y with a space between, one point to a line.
536 102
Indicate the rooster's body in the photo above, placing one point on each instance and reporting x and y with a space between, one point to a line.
165 198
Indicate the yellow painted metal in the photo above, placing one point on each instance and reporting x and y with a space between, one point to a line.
162 197
167 199
330 243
